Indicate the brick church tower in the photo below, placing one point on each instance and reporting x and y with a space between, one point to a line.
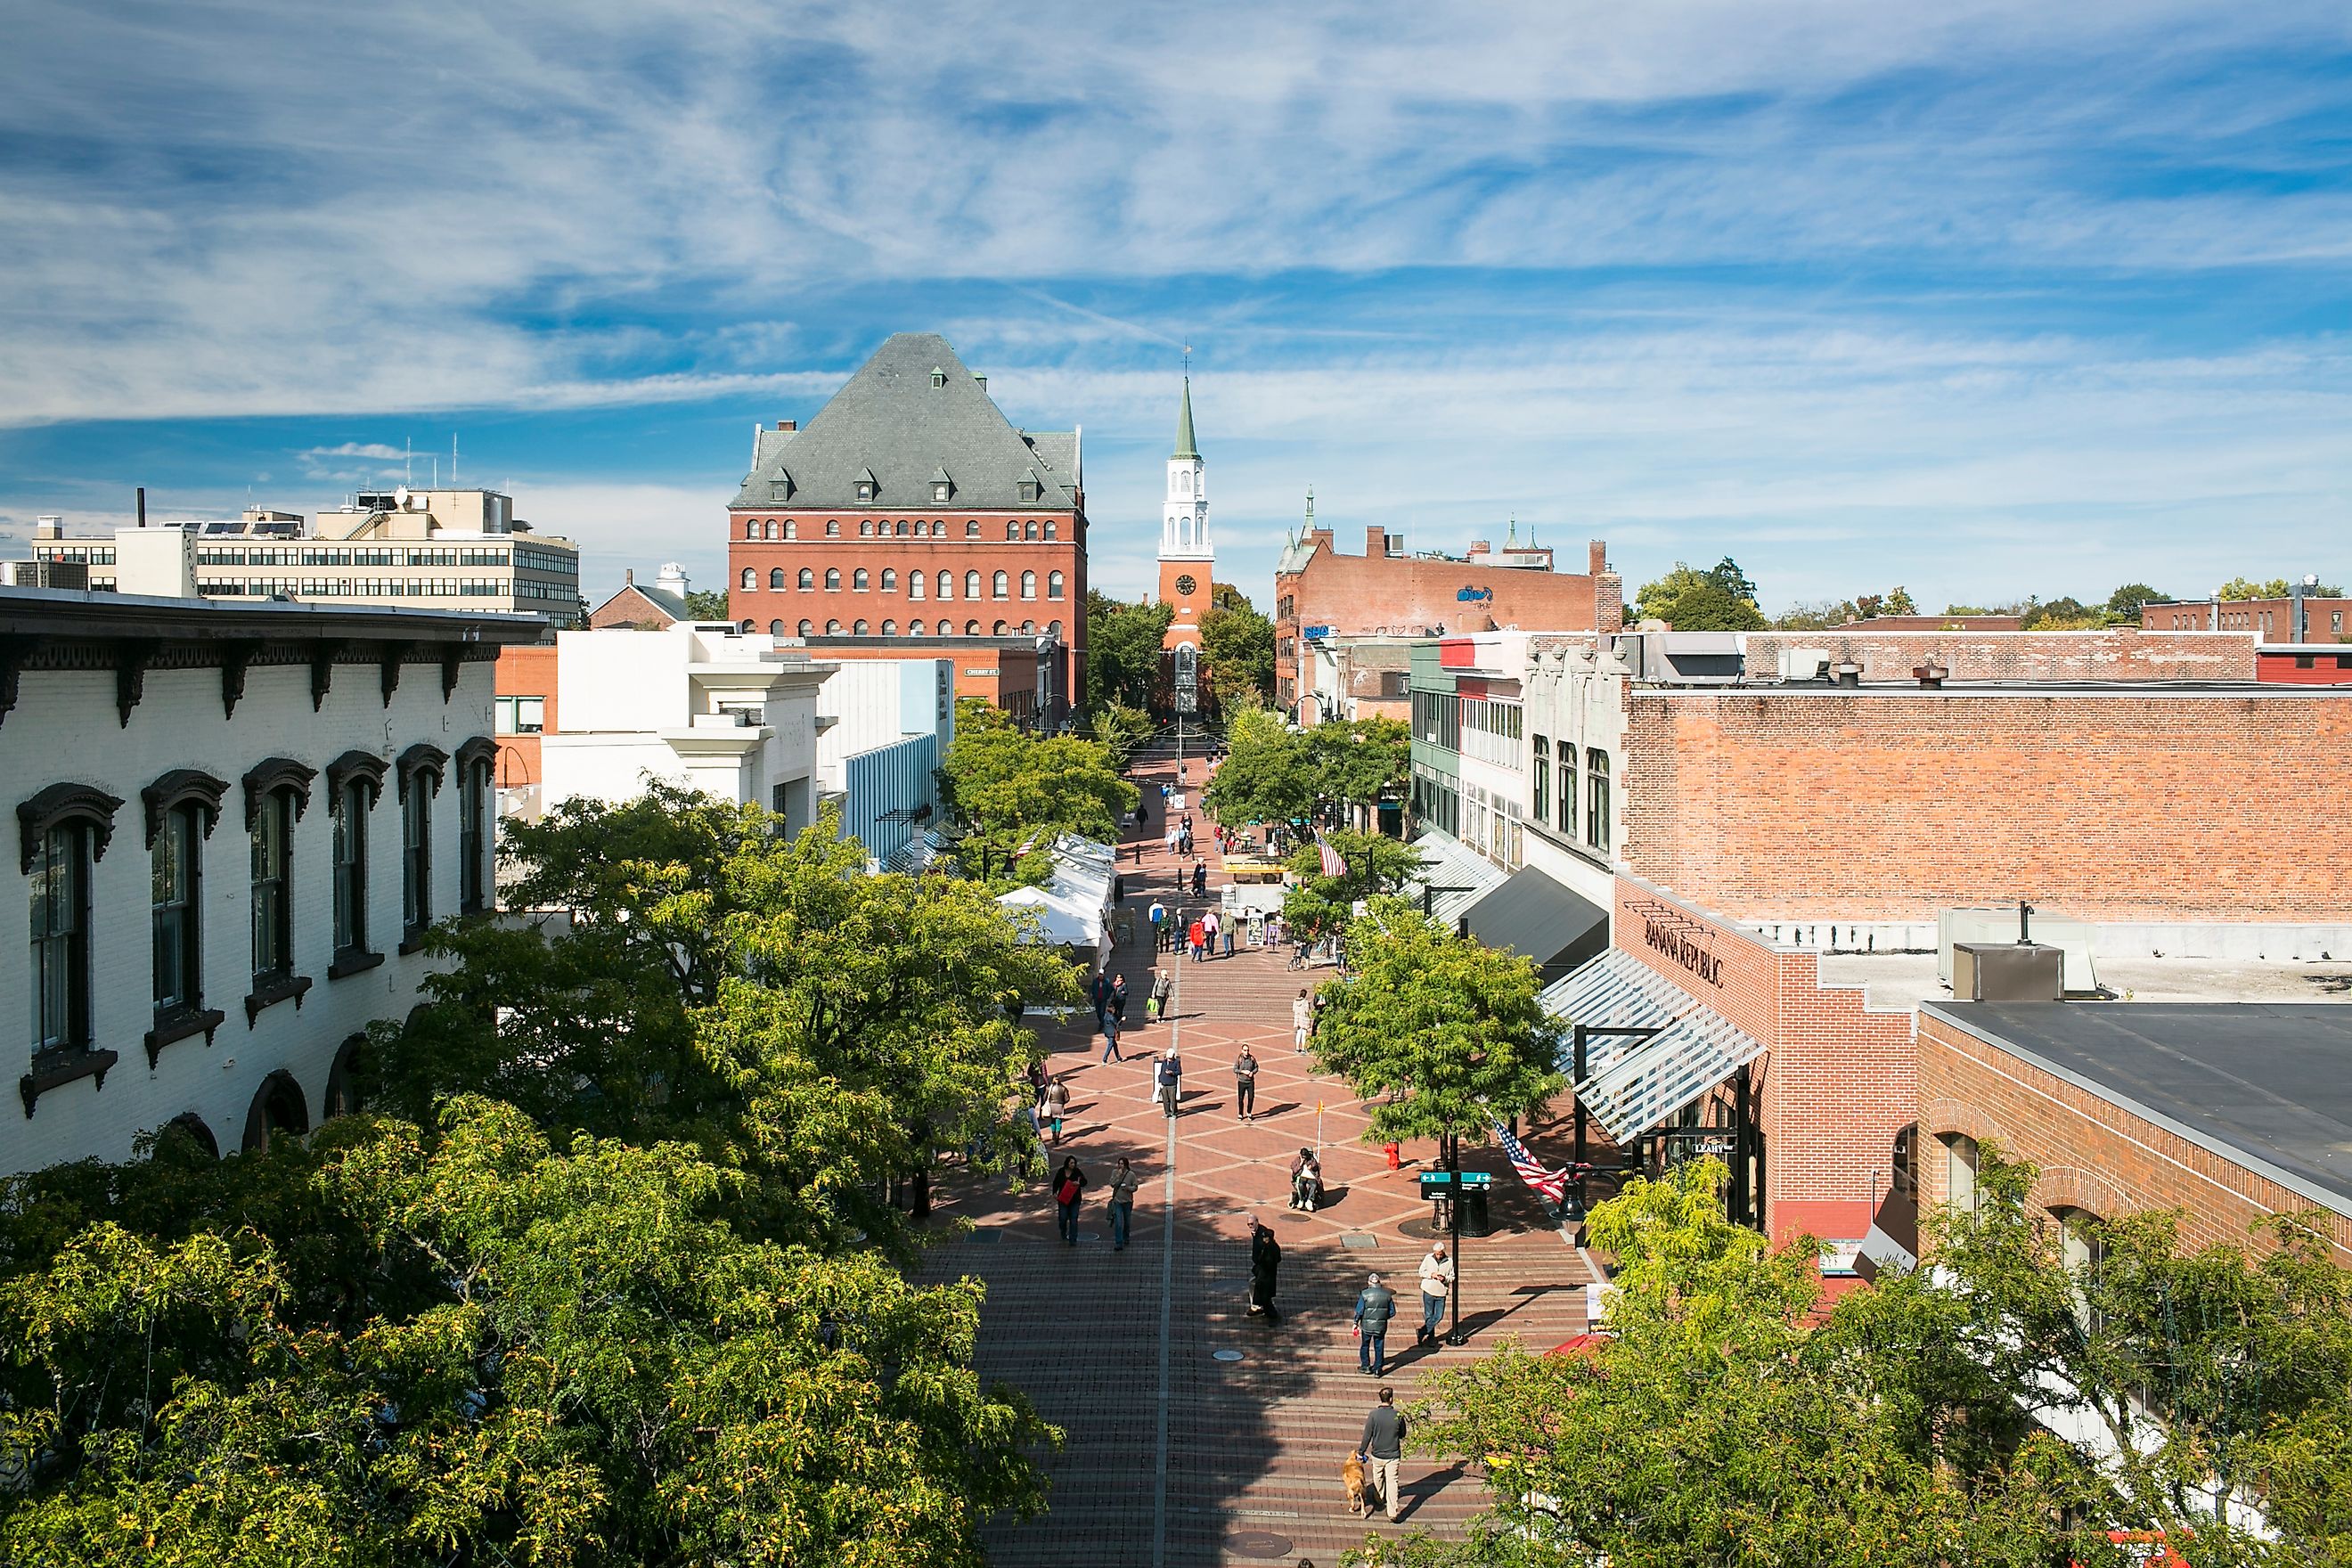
1187 560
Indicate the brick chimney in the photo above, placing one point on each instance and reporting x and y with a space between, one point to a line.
788 424
1596 555
1376 542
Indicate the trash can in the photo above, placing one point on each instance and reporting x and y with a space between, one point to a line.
1475 1221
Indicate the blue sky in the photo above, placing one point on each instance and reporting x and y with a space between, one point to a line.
1991 300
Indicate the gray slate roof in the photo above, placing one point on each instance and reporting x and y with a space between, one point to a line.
889 420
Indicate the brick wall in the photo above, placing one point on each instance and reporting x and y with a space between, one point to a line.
2093 1154
526 671
2120 653
2114 806
1837 1080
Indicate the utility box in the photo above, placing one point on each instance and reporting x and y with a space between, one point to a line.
2008 971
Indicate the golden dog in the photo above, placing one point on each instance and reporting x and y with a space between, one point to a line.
1352 1476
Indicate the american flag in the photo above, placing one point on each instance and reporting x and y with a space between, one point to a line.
1334 864
1550 1184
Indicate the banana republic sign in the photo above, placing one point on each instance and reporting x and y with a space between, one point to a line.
1673 935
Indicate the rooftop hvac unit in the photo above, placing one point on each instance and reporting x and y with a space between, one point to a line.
1985 926
2007 972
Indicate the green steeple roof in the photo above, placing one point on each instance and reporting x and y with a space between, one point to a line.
1184 447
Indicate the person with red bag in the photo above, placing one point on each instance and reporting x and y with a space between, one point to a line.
1069 1186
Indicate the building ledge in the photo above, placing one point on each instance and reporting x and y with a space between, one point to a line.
268 990
179 1024
55 1069
352 961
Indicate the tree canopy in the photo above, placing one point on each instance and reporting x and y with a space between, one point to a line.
2276 588
1238 645
1443 1033
1017 792
1123 644
1375 864
1265 775
707 604
1735 1417
1720 599
1360 761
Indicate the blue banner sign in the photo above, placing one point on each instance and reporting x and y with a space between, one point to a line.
1468 594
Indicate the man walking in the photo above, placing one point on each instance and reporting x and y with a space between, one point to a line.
1110 1033
1159 924
1101 996
1375 1305
1209 924
1436 1281
1381 1447
1197 939
1122 1203
1245 1085
1171 1078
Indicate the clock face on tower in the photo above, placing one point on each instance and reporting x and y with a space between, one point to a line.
1185 584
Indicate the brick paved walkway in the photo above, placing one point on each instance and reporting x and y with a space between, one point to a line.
1175 1458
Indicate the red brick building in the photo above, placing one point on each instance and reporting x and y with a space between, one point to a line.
1320 593
525 710
2227 1111
2116 802
910 512
2300 618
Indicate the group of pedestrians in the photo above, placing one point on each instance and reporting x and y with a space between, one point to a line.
1205 932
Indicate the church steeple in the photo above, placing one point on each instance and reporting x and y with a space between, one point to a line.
1185 447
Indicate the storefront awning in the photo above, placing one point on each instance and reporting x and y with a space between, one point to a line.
1538 918
1633 1083
1456 876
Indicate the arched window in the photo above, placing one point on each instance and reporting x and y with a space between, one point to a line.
1029 529
1002 584
808 628
866 529
1000 629
745 627
899 530
833 579
807 580
858 630
1052 528
947 585
1903 1166
770 528
972 528
938 530
776 579
916 582
858 580
2083 1253
1012 531
832 528
972 629
889 580
278 1107
1028 584
775 629
751 578
792 529
914 629
833 629
1053 627
751 529
1028 628
971 585
889 629
1053 585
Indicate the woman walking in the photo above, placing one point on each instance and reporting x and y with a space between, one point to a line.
1069 1186
1164 991
1119 999
1057 1100
1302 1020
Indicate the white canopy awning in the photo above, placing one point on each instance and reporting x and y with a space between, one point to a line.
1634 1082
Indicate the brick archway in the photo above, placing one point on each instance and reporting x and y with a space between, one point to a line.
2072 1187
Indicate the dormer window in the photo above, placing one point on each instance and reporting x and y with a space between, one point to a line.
780 488
939 376
865 484
942 486
1031 486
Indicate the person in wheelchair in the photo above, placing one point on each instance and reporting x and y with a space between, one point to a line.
1305 1182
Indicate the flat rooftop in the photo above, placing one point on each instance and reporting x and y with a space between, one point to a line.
2267 1085
1899 981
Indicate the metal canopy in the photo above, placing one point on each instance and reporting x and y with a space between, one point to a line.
1539 917
1631 1084
1453 866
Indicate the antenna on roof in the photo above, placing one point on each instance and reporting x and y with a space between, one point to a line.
407 461
453 458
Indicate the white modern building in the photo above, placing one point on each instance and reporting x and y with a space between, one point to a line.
884 726
234 824
702 705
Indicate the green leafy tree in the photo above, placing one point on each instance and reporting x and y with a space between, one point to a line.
1735 1417
1360 763
1817 616
1123 647
1238 645
516 1353
706 604
1265 776
1444 1035
1375 864
1118 730
1720 599
2277 588
2125 603
700 975
1017 793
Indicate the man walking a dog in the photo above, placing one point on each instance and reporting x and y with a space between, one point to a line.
1382 1446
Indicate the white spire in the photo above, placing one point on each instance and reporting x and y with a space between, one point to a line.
1184 521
